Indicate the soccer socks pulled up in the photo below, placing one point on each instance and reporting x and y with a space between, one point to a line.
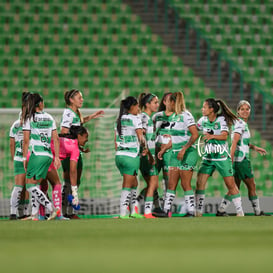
38 196
133 201
170 195
200 201
255 204
15 199
225 203
237 201
57 196
124 201
148 205
189 200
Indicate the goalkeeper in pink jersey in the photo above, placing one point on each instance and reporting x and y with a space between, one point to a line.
70 145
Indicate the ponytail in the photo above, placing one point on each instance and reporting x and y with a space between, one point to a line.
225 110
125 106
31 102
25 96
227 113
179 100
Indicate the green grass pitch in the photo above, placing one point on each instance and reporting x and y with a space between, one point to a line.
208 244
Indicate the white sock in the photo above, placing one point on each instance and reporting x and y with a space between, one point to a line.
26 207
224 203
200 200
189 200
15 199
148 205
39 197
170 195
124 200
133 202
237 201
34 206
255 204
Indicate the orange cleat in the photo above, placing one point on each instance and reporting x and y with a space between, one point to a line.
149 216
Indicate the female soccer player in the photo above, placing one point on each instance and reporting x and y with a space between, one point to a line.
240 154
72 116
215 128
69 148
149 104
129 138
16 151
38 128
184 156
162 127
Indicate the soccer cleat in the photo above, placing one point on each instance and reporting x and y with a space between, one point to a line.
28 218
158 212
240 214
62 218
137 216
41 217
189 214
125 217
73 217
149 216
198 214
223 214
53 214
263 214
22 217
13 217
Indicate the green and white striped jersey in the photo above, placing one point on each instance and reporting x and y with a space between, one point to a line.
242 149
148 126
70 118
127 143
16 132
180 130
214 150
40 127
163 125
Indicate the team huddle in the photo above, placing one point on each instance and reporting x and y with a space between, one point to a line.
165 136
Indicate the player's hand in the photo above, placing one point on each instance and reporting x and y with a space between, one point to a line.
261 151
98 114
181 154
208 137
75 200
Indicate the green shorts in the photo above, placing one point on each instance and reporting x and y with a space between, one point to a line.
243 169
164 163
127 164
224 167
37 167
146 168
18 167
189 161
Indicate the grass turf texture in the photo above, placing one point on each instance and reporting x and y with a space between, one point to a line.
208 244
